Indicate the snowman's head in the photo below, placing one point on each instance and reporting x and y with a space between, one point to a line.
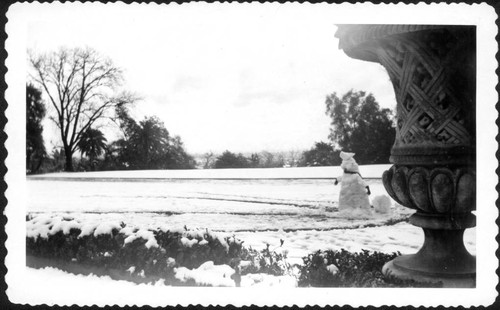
348 162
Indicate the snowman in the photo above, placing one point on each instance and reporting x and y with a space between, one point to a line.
353 198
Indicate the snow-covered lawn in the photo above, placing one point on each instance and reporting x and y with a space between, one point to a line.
259 206
368 171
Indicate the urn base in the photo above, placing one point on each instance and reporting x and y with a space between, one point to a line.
442 258
402 268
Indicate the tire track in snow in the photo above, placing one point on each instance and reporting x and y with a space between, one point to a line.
170 213
351 225
282 202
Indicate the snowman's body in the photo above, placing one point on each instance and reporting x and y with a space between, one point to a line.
353 198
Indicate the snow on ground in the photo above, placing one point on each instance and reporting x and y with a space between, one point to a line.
236 205
44 282
75 289
180 195
259 206
53 286
368 171
402 237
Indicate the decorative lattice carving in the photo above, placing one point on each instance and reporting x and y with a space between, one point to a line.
432 71
428 111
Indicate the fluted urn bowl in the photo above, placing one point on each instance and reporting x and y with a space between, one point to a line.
445 194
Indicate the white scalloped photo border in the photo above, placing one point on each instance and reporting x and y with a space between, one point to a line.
482 15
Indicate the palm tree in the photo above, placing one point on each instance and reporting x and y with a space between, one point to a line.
58 159
150 140
92 144
147 145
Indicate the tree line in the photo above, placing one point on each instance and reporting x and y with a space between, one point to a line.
82 90
264 159
358 124
83 98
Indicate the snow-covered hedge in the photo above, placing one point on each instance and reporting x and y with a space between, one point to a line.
138 251
346 269
198 256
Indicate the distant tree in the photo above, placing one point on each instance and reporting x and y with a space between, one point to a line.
56 161
231 160
254 160
148 145
209 160
359 125
271 160
35 112
92 144
322 154
80 85
267 159
178 157
293 158
113 156
280 160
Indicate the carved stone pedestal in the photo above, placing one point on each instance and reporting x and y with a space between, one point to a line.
442 258
432 69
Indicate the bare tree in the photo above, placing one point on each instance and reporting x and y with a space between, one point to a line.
209 160
80 84
293 157
267 159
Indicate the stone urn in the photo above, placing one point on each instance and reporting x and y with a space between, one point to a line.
433 72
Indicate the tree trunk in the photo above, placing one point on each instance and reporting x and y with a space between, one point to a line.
69 160
40 162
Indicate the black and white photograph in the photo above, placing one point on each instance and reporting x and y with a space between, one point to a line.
251 153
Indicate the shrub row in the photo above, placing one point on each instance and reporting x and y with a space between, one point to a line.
266 261
155 253
111 250
152 253
347 269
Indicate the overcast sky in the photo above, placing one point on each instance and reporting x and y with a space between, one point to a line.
244 78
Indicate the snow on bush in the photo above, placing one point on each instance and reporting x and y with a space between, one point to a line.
131 270
382 204
347 269
269 261
44 226
201 237
118 246
106 228
142 234
60 224
188 242
151 253
198 257
87 229
170 262
38 227
332 269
